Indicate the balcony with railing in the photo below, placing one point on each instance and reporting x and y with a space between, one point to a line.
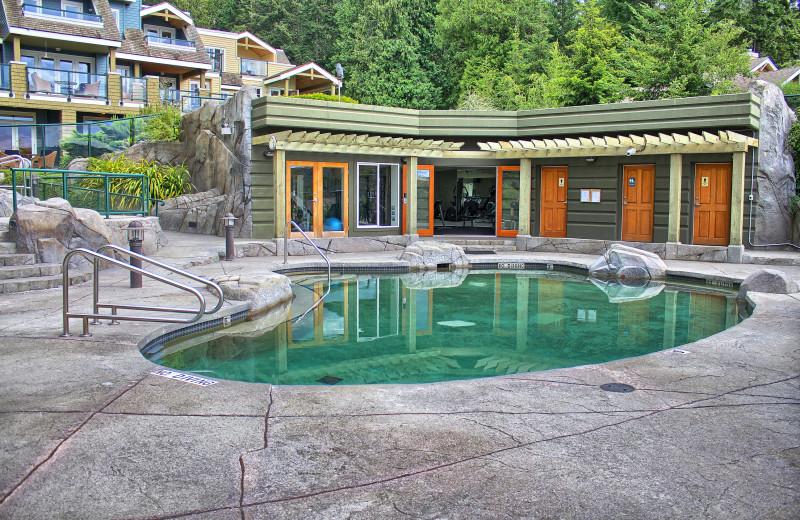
67 83
153 39
253 67
69 15
188 100
134 89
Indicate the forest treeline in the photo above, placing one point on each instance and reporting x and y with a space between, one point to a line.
519 54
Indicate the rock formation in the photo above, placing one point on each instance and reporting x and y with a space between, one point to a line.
775 182
628 263
430 254
219 165
49 229
768 281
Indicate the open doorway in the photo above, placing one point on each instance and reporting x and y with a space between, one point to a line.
465 201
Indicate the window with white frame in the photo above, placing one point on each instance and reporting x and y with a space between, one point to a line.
378 195
72 9
217 57
161 32
16 133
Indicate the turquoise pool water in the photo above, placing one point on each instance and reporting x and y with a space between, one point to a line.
417 328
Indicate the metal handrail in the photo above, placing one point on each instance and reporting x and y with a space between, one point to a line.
170 268
323 255
95 315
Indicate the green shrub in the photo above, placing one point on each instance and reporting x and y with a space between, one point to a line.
163 125
327 97
166 181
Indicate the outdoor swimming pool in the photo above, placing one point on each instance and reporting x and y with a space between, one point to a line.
441 326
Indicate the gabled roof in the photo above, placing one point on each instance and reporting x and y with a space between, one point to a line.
168 12
762 64
300 69
32 25
781 76
247 35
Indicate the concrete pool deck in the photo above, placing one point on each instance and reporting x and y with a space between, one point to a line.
86 431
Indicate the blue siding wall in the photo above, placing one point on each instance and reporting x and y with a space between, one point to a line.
130 14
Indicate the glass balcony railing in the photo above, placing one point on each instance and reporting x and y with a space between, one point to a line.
188 100
5 76
73 14
134 89
161 40
67 83
253 67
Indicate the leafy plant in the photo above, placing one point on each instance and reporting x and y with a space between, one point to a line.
794 205
165 181
327 97
163 125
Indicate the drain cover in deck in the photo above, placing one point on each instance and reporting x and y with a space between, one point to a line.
617 387
329 380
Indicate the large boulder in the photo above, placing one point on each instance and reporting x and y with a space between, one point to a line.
429 254
7 202
625 262
775 182
768 281
193 213
262 291
49 229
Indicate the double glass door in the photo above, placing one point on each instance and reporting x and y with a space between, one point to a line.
317 197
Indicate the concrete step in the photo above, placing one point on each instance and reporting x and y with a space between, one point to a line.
473 247
8 248
40 282
29 271
791 258
17 259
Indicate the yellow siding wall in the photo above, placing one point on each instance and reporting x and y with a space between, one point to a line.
229 47
277 68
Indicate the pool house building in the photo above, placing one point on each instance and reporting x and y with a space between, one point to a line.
666 173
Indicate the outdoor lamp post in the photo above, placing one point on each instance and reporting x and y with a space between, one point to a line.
229 220
135 237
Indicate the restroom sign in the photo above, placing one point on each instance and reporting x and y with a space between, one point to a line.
561 181
632 181
704 181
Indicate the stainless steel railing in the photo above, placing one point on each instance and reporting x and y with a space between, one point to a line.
323 255
97 257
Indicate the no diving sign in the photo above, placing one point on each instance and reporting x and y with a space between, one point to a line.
186 378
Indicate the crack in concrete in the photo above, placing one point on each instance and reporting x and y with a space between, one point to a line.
68 437
507 448
242 455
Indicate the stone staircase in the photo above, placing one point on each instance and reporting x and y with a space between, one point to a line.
20 272
480 244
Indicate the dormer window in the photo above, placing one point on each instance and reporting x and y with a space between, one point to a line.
72 9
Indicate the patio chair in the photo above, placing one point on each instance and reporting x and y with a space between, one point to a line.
37 162
39 84
50 160
89 89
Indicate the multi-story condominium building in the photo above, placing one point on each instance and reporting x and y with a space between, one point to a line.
73 61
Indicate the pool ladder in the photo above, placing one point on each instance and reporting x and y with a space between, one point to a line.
98 256
286 262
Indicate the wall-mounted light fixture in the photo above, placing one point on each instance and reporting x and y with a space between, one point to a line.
225 129
591 159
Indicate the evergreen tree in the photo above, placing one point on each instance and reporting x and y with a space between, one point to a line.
596 60
562 19
772 27
624 13
679 52
380 46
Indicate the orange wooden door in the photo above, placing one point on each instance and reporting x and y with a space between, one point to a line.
712 204
424 200
638 192
553 214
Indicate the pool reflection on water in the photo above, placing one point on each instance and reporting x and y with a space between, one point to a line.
426 327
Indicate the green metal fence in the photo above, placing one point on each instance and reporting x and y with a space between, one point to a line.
54 145
107 193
